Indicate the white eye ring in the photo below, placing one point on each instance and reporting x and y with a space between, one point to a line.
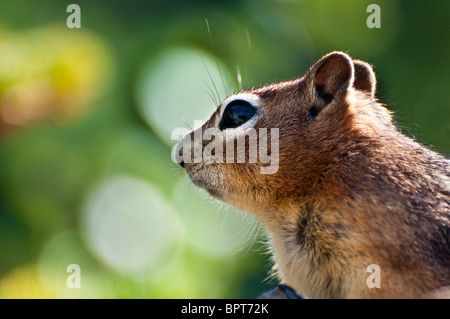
250 98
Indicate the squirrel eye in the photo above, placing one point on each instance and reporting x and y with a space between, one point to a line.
237 113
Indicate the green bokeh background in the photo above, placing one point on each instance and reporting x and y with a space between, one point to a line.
94 185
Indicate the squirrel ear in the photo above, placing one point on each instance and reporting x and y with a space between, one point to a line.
331 76
364 77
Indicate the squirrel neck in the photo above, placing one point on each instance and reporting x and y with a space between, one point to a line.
315 240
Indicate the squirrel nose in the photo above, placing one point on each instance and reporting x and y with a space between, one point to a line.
179 151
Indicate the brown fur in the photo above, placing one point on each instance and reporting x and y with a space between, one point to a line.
350 190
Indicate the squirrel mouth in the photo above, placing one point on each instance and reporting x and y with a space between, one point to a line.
200 175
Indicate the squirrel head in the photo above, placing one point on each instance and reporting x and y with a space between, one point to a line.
264 147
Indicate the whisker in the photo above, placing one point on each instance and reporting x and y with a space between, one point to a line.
210 77
252 237
212 97
186 123
249 49
240 234
217 61
246 238
211 94
221 77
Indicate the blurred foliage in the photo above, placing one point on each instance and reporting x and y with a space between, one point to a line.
48 73
86 117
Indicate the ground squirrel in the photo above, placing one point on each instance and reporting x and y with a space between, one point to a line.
349 189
